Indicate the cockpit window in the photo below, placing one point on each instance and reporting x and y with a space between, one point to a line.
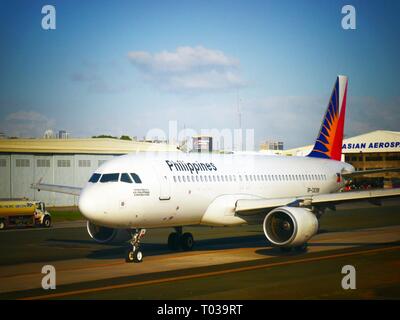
126 178
109 177
95 177
136 178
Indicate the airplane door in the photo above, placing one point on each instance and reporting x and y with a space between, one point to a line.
164 184
165 188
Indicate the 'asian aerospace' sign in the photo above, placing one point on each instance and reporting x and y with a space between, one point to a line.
371 145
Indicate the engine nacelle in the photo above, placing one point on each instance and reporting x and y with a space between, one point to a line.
290 226
106 235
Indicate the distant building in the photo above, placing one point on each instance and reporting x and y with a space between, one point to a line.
2 135
202 143
48 134
62 134
271 145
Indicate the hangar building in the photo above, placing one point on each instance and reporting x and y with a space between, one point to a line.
374 150
58 161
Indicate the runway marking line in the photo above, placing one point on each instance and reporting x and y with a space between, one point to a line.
206 274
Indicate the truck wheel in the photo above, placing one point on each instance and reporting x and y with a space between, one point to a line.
46 222
2 225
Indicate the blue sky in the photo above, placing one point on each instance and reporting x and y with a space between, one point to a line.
125 67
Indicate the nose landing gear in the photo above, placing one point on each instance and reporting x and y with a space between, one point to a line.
134 254
179 239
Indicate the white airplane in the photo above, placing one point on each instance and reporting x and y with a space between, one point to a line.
287 195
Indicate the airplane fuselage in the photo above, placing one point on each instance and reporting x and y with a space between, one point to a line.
177 189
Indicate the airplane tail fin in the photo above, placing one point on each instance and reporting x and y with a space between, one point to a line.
330 137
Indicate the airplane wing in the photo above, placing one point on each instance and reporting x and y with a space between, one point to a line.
330 200
56 188
349 175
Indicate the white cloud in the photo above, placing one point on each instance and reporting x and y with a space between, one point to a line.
26 124
188 69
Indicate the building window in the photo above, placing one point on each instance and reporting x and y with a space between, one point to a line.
43 163
84 163
3 163
373 158
22 163
63 163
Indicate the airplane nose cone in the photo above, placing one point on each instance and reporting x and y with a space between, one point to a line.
87 205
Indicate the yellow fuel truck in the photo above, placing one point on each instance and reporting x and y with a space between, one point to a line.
23 213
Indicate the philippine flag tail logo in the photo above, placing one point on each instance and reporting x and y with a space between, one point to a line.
330 137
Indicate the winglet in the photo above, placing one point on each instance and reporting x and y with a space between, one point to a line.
330 137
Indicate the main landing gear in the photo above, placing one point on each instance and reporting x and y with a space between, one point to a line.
177 240
300 249
134 254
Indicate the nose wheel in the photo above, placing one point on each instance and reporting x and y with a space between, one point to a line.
134 254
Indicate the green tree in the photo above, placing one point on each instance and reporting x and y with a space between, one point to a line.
104 136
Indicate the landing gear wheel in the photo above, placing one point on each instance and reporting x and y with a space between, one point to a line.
173 241
187 241
46 222
302 248
134 256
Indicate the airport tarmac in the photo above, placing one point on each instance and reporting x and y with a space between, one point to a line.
228 263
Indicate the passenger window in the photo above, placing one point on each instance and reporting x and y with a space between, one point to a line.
136 178
126 178
174 179
95 177
109 177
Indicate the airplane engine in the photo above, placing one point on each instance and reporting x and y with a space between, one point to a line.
106 235
290 226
